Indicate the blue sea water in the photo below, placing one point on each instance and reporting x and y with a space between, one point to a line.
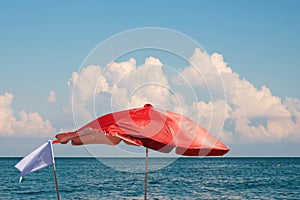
185 178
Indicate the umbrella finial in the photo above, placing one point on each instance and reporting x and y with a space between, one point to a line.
148 105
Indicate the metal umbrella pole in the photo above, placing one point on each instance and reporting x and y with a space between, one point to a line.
146 174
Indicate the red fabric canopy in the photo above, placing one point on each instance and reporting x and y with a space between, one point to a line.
156 129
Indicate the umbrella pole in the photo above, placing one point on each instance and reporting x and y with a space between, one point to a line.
56 184
146 174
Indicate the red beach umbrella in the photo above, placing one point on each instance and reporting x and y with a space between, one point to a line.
160 130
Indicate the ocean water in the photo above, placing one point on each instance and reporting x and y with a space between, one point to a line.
185 178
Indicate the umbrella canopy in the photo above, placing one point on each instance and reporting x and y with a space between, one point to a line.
160 130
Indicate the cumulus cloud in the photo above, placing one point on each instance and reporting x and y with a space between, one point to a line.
27 124
88 82
208 91
7 118
143 84
210 115
123 85
83 87
52 97
254 114
293 105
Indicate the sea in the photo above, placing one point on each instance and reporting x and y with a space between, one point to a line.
182 178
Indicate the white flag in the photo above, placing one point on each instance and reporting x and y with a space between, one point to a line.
41 157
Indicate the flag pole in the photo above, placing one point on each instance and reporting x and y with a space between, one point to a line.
56 183
54 170
146 175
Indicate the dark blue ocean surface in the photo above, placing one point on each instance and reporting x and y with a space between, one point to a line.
186 178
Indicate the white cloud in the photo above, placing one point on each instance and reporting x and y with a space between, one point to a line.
205 112
7 118
248 114
258 115
115 71
83 87
88 82
209 115
254 114
144 84
52 97
125 85
28 124
293 105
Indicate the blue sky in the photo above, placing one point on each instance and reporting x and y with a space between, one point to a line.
42 43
